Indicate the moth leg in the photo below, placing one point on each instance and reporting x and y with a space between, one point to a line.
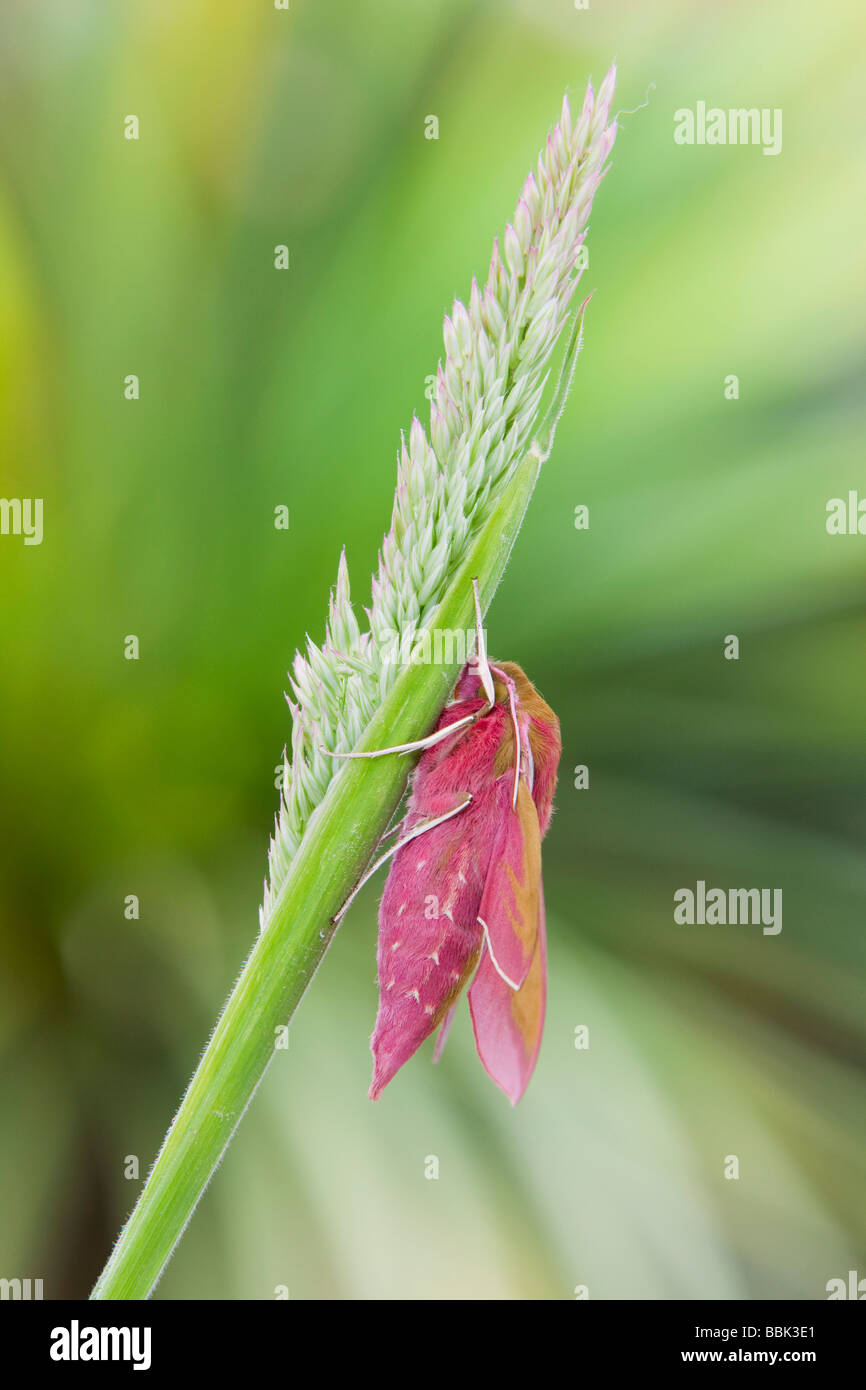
397 819
419 744
392 830
416 746
419 829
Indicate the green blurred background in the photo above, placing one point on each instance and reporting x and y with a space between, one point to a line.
707 517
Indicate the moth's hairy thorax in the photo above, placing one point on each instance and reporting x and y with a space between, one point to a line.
478 756
468 761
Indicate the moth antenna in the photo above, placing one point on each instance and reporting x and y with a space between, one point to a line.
481 650
530 764
517 744
515 724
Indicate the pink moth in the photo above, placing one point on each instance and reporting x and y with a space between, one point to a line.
463 904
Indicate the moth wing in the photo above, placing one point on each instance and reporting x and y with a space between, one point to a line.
429 939
508 1023
546 745
443 1033
509 911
